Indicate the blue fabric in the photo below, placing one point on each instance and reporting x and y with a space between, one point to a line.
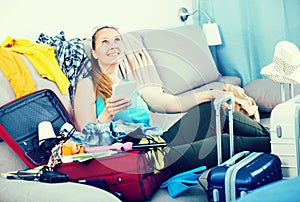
183 181
250 29
97 133
139 114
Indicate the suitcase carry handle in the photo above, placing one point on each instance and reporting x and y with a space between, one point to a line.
235 158
217 104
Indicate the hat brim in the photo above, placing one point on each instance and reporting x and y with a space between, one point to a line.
270 72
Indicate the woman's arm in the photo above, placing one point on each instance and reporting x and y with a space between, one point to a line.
160 101
85 106
84 103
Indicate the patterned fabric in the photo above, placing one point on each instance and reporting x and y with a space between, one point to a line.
99 134
55 157
71 57
285 69
155 154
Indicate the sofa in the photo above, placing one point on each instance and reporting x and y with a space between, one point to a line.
183 63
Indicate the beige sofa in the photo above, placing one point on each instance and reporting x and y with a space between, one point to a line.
184 64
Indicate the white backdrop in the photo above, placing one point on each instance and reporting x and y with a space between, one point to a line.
27 19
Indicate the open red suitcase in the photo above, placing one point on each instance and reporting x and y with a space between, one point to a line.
19 121
128 173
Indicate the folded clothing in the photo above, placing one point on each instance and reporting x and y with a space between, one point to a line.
183 181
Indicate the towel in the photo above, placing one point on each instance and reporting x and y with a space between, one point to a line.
243 102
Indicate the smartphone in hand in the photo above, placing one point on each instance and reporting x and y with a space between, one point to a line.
126 90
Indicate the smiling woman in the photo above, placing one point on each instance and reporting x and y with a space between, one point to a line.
187 138
109 49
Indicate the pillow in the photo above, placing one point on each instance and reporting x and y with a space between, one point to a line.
181 57
266 93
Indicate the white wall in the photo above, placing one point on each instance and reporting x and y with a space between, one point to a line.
27 19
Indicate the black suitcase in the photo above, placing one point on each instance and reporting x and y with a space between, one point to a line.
244 171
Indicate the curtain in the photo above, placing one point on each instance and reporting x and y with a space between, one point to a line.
250 30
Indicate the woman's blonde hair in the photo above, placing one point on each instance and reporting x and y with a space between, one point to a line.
101 82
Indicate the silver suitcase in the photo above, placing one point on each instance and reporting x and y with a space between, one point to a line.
285 137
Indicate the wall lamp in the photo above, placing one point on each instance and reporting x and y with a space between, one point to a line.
210 29
183 14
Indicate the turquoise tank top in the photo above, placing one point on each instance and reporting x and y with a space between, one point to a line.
139 114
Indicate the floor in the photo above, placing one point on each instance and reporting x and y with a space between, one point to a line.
194 194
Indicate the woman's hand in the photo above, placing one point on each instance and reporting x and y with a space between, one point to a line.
112 107
214 93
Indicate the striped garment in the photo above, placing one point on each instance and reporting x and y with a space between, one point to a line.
71 57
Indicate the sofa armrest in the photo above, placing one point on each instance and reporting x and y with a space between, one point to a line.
234 80
22 190
9 160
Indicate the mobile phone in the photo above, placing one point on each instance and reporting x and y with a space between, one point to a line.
126 90
38 156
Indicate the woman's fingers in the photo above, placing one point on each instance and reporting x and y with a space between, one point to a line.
114 106
216 93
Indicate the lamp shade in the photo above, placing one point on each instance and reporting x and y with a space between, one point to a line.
212 34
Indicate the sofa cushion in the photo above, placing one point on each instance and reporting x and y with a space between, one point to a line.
181 56
266 93
6 90
234 80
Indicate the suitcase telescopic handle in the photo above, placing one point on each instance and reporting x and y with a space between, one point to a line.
221 99
217 104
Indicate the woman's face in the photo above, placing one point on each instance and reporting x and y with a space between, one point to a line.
108 47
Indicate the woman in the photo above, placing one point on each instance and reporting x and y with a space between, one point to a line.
192 139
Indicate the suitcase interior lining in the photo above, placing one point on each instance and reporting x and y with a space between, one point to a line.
21 117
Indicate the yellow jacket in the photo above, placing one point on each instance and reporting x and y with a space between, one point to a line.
42 58
16 72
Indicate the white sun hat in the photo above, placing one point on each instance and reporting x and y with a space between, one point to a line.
285 67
